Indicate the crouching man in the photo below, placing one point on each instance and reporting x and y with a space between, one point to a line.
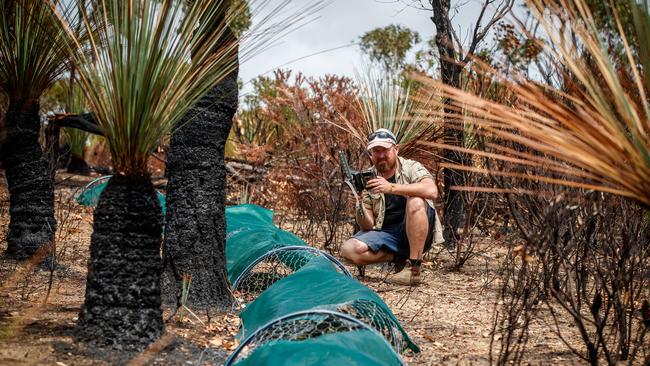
397 219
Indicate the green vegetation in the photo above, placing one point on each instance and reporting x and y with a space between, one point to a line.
388 45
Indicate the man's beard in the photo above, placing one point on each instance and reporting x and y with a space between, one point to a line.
384 166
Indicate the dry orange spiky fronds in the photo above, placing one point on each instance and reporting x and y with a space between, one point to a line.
593 134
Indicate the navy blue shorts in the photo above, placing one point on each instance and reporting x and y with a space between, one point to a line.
394 238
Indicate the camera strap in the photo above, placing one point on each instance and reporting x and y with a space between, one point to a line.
354 193
348 180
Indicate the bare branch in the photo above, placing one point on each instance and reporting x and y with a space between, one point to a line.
479 32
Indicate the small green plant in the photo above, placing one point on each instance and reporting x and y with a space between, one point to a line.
75 103
186 282
245 193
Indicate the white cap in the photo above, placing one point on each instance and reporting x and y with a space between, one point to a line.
381 137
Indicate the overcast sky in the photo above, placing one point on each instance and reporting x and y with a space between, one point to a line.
339 24
336 26
333 30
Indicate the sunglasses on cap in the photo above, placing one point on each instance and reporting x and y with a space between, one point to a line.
381 135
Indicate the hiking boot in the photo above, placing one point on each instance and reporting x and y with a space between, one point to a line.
400 263
450 245
405 277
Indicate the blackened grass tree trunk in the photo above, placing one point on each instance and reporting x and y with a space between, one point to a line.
453 60
77 165
195 228
31 190
33 53
122 301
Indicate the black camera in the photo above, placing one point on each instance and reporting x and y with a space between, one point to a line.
360 179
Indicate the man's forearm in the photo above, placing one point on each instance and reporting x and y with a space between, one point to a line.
364 218
421 189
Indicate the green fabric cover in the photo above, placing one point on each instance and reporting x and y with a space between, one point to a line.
244 247
359 347
248 216
316 285
251 234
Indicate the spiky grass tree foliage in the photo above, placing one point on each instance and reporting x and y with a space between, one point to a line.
76 139
139 82
387 101
32 56
595 134
65 97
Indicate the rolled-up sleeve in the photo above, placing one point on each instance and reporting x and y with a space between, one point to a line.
367 200
417 172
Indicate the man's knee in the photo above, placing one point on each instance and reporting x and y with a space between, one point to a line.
416 206
351 250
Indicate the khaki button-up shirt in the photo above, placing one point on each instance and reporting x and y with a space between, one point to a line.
408 171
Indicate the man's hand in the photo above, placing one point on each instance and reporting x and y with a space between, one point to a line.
379 185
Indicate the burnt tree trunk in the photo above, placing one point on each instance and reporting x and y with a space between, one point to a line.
450 70
31 190
195 231
77 165
122 303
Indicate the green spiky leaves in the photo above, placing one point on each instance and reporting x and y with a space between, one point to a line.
33 49
145 64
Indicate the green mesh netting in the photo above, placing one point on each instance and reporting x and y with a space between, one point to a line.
258 254
245 246
358 347
317 285
89 196
275 265
284 276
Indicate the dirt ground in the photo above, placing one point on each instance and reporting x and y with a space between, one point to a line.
449 316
